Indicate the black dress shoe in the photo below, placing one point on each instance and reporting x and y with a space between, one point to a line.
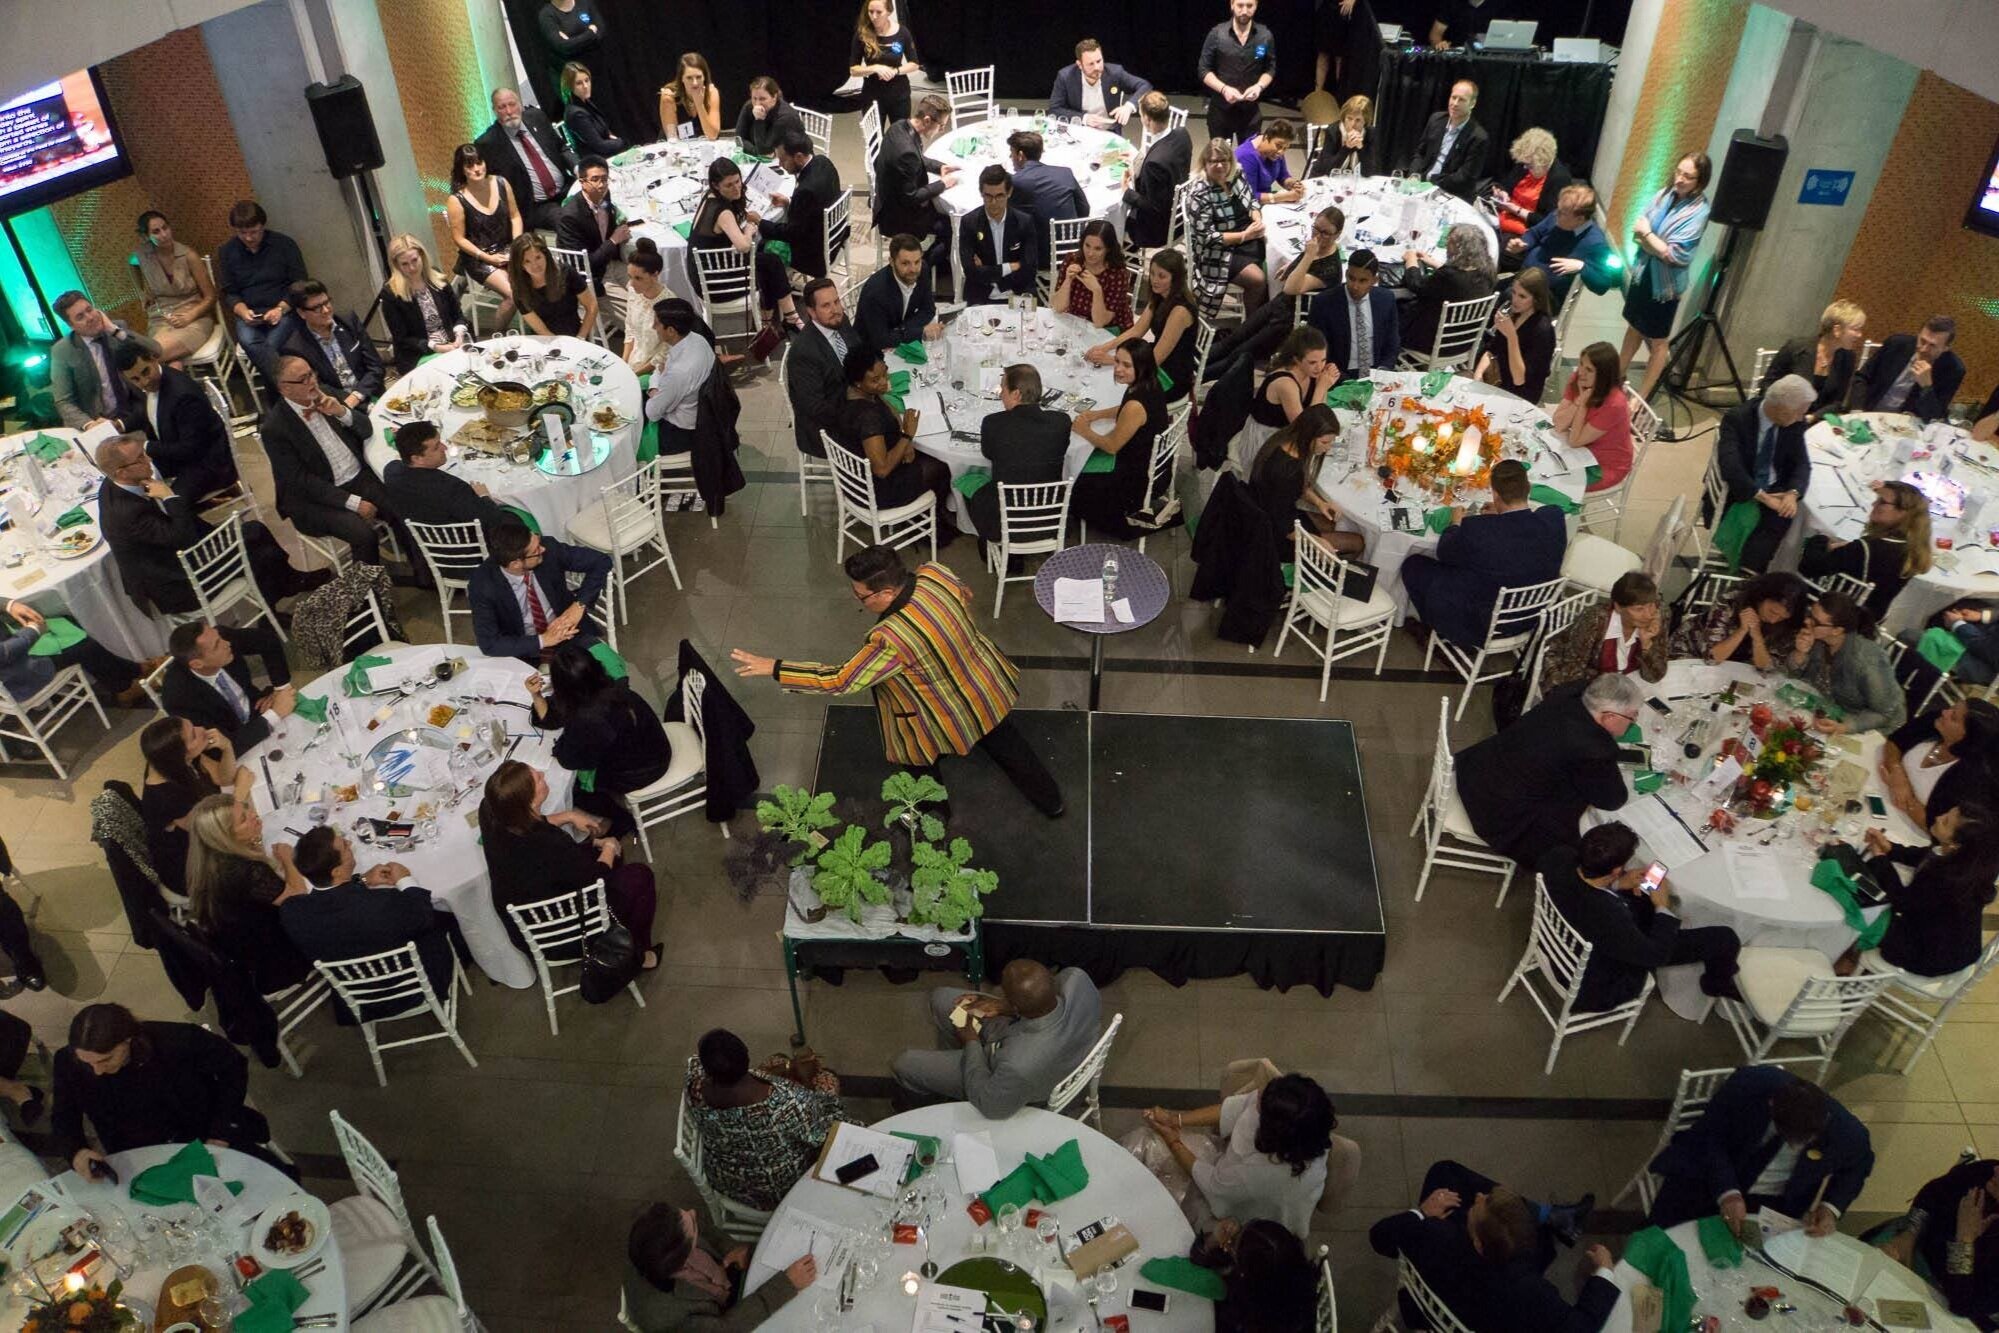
1723 989
1566 1221
35 980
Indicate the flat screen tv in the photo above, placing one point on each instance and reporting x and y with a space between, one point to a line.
1983 215
57 140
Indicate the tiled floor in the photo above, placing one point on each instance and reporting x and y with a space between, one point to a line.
535 1161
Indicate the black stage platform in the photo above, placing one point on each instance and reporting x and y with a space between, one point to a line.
1194 846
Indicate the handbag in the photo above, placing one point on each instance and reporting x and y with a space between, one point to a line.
766 342
1357 584
610 962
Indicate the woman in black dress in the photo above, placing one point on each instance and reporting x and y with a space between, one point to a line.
1520 350
1299 377
1348 144
1167 324
1942 759
691 107
532 857
1937 923
607 731
866 425
1467 274
1128 433
724 222
1827 360
1282 481
484 218
569 28
589 128
1893 548
184 763
234 890
761 124
554 300
418 304
883 58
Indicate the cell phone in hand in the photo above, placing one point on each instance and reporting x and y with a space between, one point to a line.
1655 875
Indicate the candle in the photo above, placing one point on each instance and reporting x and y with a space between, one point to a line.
911 1284
1467 460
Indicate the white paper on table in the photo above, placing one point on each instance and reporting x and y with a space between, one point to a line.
1121 608
1664 836
1573 457
1891 1282
946 1309
89 440
794 1235
1757 872
853 1142
1079 601
977 1164
1711 788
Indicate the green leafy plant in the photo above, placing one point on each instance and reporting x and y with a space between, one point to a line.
905 791
845 878
795 815
947 890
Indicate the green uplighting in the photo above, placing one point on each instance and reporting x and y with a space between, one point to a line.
33 359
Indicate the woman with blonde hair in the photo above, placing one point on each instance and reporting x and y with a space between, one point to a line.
180 294
554 300
691 106
418 305
1827 359
1348 144
883 57
1224 231
1893 548
234 888
1528 192
1466 275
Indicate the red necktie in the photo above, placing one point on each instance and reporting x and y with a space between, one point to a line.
538 164
536 612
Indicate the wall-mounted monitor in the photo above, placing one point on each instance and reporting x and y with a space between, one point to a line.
57 140
1983 215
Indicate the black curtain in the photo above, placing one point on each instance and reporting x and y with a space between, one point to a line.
1568 101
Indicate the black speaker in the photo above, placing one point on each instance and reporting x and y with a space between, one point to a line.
346 130
1749 178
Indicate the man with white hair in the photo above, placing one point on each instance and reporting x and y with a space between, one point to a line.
522 148
1761 455
1526 788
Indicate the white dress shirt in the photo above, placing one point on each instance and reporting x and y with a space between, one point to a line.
519 584
153 410
338 456
676 386
908 295
1451 133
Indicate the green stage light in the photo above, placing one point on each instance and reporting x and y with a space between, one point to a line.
33 359
1614 262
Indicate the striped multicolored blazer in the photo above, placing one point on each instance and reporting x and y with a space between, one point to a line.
940 684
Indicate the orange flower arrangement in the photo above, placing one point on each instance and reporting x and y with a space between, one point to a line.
1431 455
85 1310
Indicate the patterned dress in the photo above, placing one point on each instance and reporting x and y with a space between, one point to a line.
1211 210
754 1154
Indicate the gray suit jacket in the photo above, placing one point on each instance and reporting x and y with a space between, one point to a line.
73 380
1020 1061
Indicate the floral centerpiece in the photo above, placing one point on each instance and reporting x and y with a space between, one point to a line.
1440 450
1786 758
81 1310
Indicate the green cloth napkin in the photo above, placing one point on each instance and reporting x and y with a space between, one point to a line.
912 352
1797 696
1434 382
586 779
929 1143
898 381
1045 1179
311 709
626 158
1099 462
1165 381
782 249
1180 1273
683 228
1938 646
1548 495
1730 534
1591 476
1719 1242
1632 735
1289 570
61 632
355 682
172 1181
73 518
1354 394
972 482
1859 432
1653 1253
894 401
649 433
527 519
1647 782
47 448
614 665
1830 876
273 1298
1437 520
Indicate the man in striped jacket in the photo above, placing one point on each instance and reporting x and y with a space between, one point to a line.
939 683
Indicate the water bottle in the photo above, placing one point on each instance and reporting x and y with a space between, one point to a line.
463 334
1110 578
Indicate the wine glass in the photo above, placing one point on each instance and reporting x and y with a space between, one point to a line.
1007 1223
1104 1283
827 1311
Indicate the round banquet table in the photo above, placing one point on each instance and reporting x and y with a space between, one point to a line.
263 1185
450 863
959 386
1837 498
84 587
1346 479
1384 214
1120 1186
658 187
1142 585
554 498
1870 1276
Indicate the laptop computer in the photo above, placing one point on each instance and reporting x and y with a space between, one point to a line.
1510 35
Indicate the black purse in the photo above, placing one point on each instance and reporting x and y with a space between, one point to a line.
1357 584
611 960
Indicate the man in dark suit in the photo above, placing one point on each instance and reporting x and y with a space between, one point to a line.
816 189
421 491
1023 442
904 193
1761 454
1358 318
895 305
1526 787
590 222
354 915
1632 930
1914 373
814 375
314 444
209 683
1162 169
522 604
1095 92
1510 545
522 147
337 348
1452 152
1767 1138
184 434
1043 192
996 244
1483 1249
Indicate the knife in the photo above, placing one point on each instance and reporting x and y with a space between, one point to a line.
270 785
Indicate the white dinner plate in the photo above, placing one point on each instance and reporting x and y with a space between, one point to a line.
307 1207
60 551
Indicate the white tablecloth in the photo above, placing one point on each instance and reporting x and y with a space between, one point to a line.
553 500
1119 1187
662 185
1864 1272
263 1185
451 865
85 588
1380 217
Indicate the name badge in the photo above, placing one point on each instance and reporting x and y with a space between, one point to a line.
1261 51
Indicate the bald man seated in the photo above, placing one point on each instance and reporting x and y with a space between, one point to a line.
1002 1053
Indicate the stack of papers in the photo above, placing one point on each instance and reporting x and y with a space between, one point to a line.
942 1309
850 1143
1758 873
976 1162
796 1234
1079 601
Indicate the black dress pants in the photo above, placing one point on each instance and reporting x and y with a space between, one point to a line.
317 520
1005 746
103 666
14 938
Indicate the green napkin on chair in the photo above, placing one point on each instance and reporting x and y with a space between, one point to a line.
172 1181
1548 495
586 779
1353 394
355 682
1653 1253
649 433
1099 462
782 249
1437 520
273 1299
1165 381
47 448
74 517
1719 1242
1180 1273
1732 532
607 656
1938 646
1591 476
311 709
972 482
1044 1179
912 352
1831 877
59 633
1434 382
898 382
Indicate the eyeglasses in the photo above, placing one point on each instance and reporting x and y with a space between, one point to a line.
315 307
297 379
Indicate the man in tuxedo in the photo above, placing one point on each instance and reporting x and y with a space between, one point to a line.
186 437
1760 452
1358 319
590 222
421 491
1023 442
1162 168
814 369
337 348
1633 929
1098 94
905 196
314 444
1510 545
996 244
209 684
522 604
353 915
521 146
1767 1138
1043 192
895 305
1525 788
83 370
1452 152
1913 373
816 189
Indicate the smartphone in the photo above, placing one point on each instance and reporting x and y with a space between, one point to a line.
1154 1301
1634 754
1876 806
854 1170
1655 875
104 1171
1659 705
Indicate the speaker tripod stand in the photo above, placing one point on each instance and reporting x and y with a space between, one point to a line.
1686 346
